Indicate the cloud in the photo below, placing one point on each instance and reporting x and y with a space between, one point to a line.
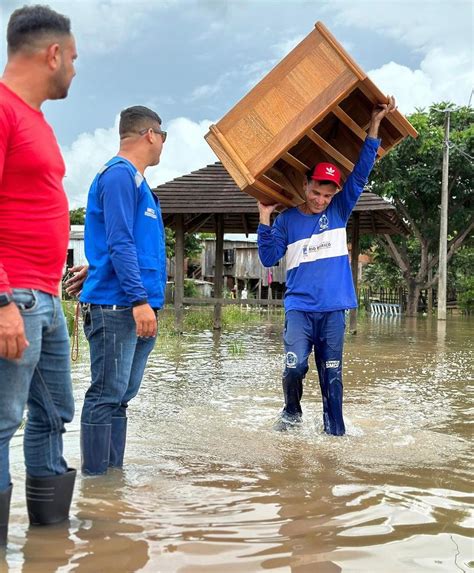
100 27
204 91
185 150
248 74
284 47
214 28
441 41
412 88
440 77
422 25
84 158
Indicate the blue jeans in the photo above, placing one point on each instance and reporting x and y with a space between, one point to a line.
118 360
325 332
40 380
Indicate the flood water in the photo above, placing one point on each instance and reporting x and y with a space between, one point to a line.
209 487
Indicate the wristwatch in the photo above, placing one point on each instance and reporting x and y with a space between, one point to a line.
5 298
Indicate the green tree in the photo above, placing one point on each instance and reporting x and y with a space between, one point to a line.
410 176
77 216
192 244
461 276
382 271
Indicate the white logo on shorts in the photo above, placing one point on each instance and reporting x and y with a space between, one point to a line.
332 363
291 360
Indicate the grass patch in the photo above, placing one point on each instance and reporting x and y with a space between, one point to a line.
236 348
199 319
234 315
195 319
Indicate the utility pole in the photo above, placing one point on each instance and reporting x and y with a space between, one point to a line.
443 228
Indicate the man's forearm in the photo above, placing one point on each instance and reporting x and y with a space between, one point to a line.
126 267
374 129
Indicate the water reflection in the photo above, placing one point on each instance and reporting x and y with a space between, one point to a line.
47 549
308 514
110 528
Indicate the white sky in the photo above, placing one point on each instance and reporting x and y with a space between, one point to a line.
192 60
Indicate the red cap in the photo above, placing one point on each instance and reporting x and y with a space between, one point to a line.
327 172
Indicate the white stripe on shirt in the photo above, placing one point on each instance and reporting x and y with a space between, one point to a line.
325 245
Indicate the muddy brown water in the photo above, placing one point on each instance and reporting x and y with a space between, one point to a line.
209 487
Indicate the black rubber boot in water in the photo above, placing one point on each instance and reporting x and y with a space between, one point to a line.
292 383
291 415
95 448
5 497
118 438
48 499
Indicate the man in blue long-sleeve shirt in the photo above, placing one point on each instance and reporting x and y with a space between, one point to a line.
319 285
125 286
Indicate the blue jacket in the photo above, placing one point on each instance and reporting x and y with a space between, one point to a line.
124 239
319 277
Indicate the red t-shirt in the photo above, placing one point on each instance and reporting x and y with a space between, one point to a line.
34 215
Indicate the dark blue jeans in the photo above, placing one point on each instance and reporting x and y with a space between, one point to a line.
40 380
118 359
323 331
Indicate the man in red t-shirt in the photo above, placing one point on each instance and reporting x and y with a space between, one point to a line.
34 228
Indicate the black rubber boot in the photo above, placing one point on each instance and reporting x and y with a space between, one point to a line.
95 448
118 438
5 497
48 499
292 383
291 415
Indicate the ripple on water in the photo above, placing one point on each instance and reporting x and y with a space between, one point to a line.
210 487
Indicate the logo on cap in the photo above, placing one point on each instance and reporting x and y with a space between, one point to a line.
327 172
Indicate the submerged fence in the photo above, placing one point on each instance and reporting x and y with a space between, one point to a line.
385 301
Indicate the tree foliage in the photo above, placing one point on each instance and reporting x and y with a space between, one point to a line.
382 272
77 216
410 176
192 244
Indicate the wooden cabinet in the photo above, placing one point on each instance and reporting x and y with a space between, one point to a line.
315 105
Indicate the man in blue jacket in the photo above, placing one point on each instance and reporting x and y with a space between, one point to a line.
125 286
319 285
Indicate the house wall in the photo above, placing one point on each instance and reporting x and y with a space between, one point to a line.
246 264
78 254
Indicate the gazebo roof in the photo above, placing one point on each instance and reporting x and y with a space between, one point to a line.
211 190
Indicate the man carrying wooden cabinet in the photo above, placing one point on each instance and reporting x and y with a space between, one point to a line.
319 286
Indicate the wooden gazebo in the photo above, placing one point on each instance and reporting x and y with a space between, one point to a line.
208 200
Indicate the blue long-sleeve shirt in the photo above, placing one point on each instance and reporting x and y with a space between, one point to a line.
124 239
319 277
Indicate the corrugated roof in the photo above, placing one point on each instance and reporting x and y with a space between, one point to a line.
211 190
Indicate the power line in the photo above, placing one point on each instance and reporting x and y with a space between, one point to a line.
460 150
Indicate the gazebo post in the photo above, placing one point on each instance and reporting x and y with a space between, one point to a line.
179 271
219 271
355 267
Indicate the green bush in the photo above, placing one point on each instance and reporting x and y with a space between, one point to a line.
190 288
466 295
